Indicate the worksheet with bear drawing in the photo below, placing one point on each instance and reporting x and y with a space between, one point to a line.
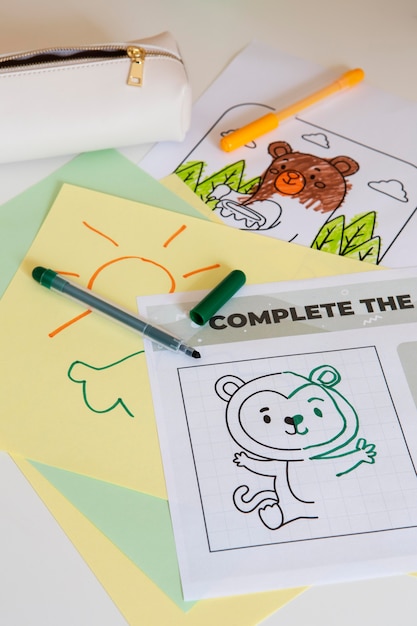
340 176
290 446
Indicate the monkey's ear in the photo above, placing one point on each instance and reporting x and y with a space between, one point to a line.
325 375
279 148
345 165
227 386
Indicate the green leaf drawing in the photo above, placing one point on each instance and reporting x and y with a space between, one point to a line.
230 175
190 173
367 251
356 240
359 231
330 235
249 186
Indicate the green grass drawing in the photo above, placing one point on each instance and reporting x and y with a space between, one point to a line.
355 240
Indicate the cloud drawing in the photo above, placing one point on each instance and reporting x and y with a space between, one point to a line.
393 188
319 139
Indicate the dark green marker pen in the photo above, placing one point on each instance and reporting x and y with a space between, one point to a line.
51 280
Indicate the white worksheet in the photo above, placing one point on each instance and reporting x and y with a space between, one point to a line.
290 446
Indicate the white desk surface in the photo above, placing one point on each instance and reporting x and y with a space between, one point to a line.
380 37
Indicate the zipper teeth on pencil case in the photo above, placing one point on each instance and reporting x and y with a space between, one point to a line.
80 53
62 56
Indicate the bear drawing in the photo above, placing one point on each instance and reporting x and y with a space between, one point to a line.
282 420
318 184
296 195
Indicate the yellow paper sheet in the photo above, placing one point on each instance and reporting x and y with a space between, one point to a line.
138 598
77 391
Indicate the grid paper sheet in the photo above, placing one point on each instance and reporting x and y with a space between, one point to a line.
290 459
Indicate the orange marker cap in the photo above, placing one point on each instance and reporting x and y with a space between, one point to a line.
351 78
247 133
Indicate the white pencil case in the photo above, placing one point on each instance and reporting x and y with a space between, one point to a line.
68 100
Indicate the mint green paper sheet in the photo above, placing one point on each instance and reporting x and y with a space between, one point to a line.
137 523
107 171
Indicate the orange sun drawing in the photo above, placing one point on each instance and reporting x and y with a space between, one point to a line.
104 266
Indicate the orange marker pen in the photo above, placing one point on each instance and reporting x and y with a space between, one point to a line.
270 121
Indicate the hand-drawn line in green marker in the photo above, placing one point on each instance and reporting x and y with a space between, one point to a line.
83 381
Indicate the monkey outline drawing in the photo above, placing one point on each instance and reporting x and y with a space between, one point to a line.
263 417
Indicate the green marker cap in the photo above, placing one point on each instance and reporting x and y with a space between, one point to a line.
214 300
44 276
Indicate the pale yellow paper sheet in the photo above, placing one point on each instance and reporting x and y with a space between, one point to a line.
122 249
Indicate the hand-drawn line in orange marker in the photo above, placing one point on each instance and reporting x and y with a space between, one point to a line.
69 323
96 274
174 235
63 273
98 232
124 258
202 269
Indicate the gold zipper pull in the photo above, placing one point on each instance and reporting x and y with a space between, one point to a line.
137 58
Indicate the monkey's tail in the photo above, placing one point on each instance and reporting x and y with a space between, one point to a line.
247 504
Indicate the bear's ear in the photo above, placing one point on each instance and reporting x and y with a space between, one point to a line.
227 386
279 148
325 375
345 165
